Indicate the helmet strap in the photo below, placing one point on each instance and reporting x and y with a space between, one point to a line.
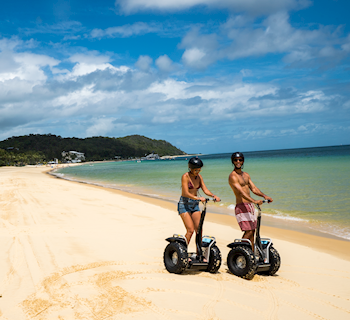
190 171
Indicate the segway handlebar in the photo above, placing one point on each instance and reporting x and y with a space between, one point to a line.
264 201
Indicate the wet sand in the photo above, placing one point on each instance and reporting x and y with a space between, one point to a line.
75 251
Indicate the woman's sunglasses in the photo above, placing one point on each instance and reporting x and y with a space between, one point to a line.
236 160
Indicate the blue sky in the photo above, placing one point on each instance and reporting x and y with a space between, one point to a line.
207 76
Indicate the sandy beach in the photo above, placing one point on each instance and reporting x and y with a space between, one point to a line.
75 251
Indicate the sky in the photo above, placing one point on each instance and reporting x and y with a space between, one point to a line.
208 76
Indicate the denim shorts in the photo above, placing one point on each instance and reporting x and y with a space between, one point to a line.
187 205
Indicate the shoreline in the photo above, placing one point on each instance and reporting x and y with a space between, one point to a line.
326 243
303 227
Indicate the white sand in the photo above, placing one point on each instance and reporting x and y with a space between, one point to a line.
74 251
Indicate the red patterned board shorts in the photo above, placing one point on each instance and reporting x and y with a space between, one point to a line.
246 217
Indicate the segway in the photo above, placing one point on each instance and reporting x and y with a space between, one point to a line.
177 259
245 263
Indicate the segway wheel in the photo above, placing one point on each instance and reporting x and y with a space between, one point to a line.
275 261
241 262
214 259
175 257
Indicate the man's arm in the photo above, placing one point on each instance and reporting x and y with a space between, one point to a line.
257 191
238 190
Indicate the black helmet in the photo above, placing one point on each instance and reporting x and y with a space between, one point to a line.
237 155
195 163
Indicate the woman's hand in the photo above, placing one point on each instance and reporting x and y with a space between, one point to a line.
216 199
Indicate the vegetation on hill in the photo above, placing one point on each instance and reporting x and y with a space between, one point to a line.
15 158
47 147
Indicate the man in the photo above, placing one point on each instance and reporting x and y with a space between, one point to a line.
241 185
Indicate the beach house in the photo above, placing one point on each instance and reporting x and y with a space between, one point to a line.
73 156
151 156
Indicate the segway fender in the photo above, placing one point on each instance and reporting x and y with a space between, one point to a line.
177 238
240 242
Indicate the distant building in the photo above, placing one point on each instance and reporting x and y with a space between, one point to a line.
12 149
73 156
151 156
53 162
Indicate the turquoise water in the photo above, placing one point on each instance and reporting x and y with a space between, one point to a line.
310 187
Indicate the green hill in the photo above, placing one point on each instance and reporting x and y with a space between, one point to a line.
94 148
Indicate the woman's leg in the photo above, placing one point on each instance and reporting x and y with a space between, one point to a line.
189 225
196 217
191 222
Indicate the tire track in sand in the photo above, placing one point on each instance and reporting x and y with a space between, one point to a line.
87 292
209 307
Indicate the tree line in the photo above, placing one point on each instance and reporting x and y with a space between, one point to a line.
15 158
33 148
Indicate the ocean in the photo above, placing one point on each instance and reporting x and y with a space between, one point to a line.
310 186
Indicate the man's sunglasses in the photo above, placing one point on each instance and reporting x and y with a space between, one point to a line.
236 160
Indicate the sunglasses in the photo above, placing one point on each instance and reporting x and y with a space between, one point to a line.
236 160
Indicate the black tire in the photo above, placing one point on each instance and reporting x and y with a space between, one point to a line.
175 257
275 261
241 262
214 259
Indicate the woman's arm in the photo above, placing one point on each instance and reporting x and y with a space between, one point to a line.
206 190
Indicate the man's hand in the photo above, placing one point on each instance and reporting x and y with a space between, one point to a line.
268 198
259 202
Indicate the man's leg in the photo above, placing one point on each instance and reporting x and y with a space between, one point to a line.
249 234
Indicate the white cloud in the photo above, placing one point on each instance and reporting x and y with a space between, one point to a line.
240 37
346 45
246 72
22 65
170 89
66 27
90 58
164 63
251 6
138 28
101 127
88 63
201 50
194 57
135 99
144 63
302 131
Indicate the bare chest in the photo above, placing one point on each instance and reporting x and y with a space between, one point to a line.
242 179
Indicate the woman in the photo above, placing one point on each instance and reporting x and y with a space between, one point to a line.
188 206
